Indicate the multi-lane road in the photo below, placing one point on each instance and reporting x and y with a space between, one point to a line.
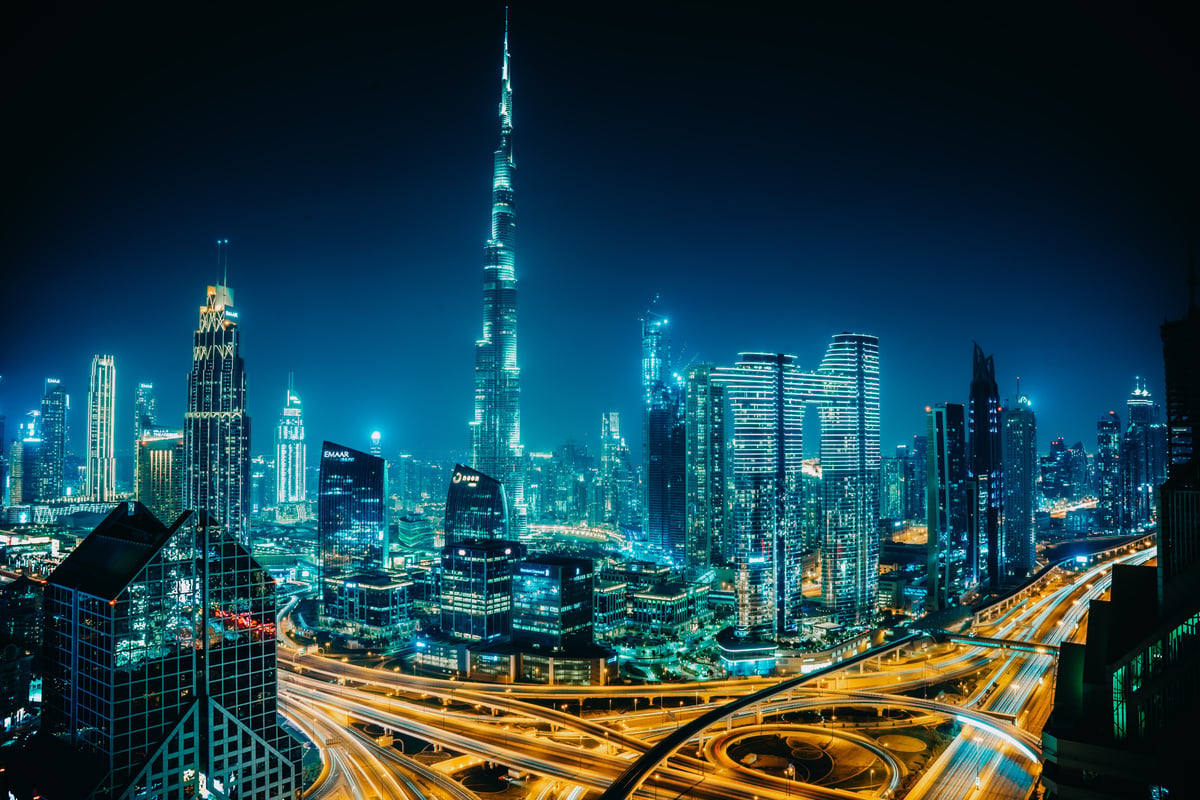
540 730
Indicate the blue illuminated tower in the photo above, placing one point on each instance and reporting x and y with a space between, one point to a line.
986 502
1019 454
496 430
663 442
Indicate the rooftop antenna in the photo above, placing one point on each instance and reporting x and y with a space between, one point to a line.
291 381
225 277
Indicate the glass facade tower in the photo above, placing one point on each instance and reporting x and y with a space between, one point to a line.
476 507
101 458
946 470
352 519
986 503
496 429
1020 474
704 418
55 405
216 427
664 445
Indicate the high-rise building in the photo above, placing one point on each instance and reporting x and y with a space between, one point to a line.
948 543
476 507
216 426
1143 457
985 561
1019 456
101 461
1181 343
917 492
55 407
290 453
159 655
767 404
622 502
145 410
1108 472
352 518
477 588
664 442
893 476
847 396
496 430
159 484
552 602
705 464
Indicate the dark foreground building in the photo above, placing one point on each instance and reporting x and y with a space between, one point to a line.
159 669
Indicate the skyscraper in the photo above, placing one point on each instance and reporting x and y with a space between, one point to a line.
159 661
352 522
664 444
1143 457
847 394
918 478
476 507
1108 472
1181 343
291 452
216 427
948 544
705 464
159 484
1019 457
101 461
985 506
55 405
496 430
145 410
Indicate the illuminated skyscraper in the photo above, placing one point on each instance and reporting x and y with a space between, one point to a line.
664 444
352 521
291 452
55 405
1020 472
216 427
159 483
159 659
1108 472
101 461
145 410
1181 343
948 541
985 556
476 507
705 462
1143 457
496 430
847 394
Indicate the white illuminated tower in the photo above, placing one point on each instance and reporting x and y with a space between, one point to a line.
216 427
290 451
496 429
101 461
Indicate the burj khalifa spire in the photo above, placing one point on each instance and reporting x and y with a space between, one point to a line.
496 430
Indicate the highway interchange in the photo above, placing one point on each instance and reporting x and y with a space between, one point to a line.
542 732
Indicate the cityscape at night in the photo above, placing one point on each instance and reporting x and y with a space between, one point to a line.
827 430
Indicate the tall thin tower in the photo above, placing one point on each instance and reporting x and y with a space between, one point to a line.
496 430
216 427
101 461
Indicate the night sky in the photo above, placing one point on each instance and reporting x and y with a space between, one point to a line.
1027 181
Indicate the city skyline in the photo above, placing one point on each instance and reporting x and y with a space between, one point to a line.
880 234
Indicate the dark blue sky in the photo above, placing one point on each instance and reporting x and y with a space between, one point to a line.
1025 181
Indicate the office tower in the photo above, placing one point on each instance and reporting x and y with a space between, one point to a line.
216 427
496 430
948 544
476 507
145 410
160 667
892 485
766 400
917 493
664 442
622 501
291 454
705 463
552 602
985 508
1181 343
848 405
1019 456
101 461
1108 472
55 407
477 591
159 484
27 463
352 521
1143 457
